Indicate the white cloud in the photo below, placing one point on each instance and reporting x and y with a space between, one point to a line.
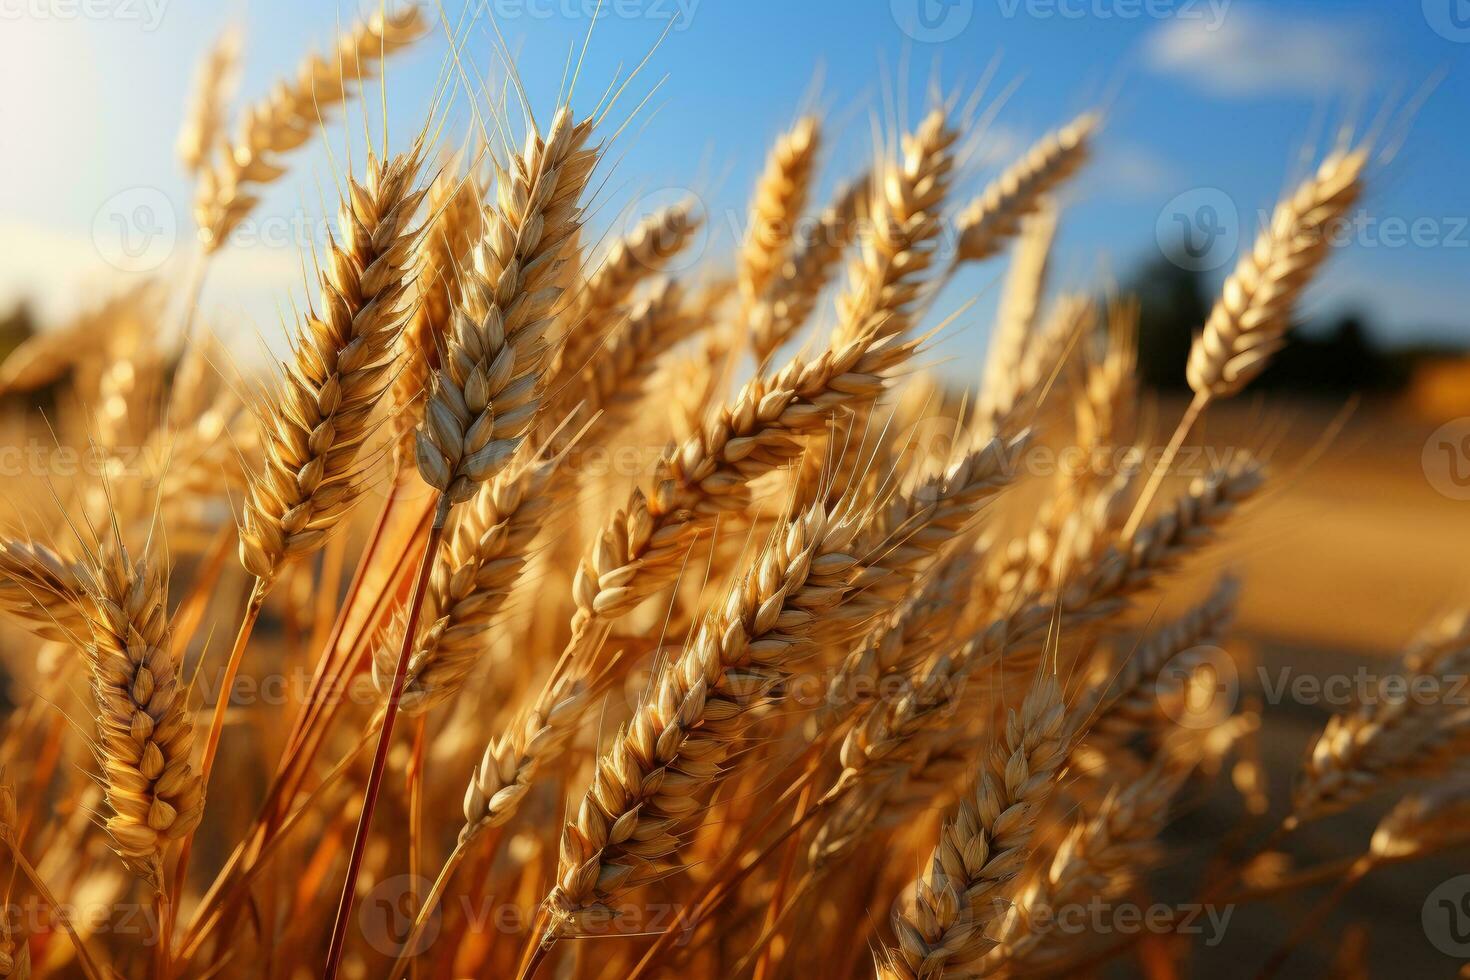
1127 170
1256 52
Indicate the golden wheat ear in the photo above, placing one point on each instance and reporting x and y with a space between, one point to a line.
329 397
1249 321
145 734
489 385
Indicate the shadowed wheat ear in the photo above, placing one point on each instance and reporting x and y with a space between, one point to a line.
1412 726
1424 823
329 395
984 847
143 717
792 292
994 217
290 115
780 197
487 388
641 254
613 381
214 83
648 787
1104 854
890 736
511 761
1136 699
42 590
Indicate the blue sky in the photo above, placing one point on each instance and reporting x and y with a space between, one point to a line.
1229 100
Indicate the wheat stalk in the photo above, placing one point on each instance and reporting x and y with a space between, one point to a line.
1249 321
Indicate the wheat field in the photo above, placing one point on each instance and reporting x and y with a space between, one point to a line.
559 608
